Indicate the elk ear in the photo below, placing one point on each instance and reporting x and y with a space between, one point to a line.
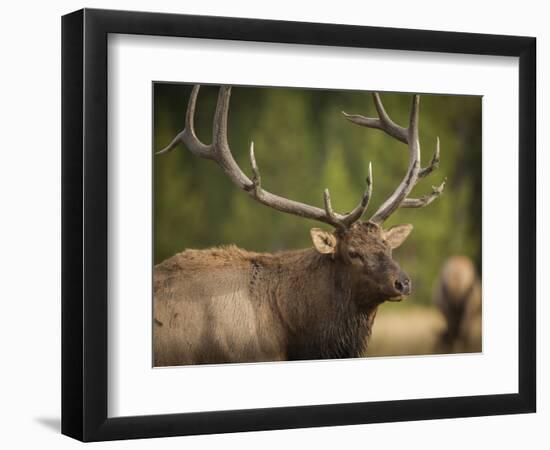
323 241
396 235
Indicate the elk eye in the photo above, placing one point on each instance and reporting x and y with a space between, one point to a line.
354 255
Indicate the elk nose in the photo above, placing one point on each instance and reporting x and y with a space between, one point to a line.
403 285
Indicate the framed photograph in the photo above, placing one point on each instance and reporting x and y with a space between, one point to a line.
273 225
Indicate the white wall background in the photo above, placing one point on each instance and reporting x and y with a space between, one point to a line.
30 221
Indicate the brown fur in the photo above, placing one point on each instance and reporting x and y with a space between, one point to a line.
230 305
458 297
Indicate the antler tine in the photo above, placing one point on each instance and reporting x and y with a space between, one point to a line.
434 163
382 122
220 152
347 220
409 136
329 211
256 179
426 199
359 210
219 126
187 136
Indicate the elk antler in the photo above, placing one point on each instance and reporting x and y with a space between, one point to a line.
414 173
220 152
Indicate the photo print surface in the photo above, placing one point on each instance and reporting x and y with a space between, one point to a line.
302 224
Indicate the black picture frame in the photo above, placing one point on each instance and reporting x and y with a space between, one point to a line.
84 224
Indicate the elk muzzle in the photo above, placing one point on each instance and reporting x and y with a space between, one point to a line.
402 287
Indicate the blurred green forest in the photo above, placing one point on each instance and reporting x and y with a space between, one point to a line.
303 144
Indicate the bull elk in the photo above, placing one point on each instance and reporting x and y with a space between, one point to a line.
457 295
230 305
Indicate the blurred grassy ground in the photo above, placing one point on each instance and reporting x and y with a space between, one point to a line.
401 329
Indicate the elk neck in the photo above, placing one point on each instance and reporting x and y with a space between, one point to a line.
314 299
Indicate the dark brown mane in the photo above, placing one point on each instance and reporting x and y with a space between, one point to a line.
318 327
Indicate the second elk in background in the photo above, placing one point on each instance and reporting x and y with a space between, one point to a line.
457 295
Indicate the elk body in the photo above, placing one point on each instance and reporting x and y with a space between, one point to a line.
458 296
230 305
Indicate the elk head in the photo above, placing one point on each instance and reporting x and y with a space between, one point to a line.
362 248
364 251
